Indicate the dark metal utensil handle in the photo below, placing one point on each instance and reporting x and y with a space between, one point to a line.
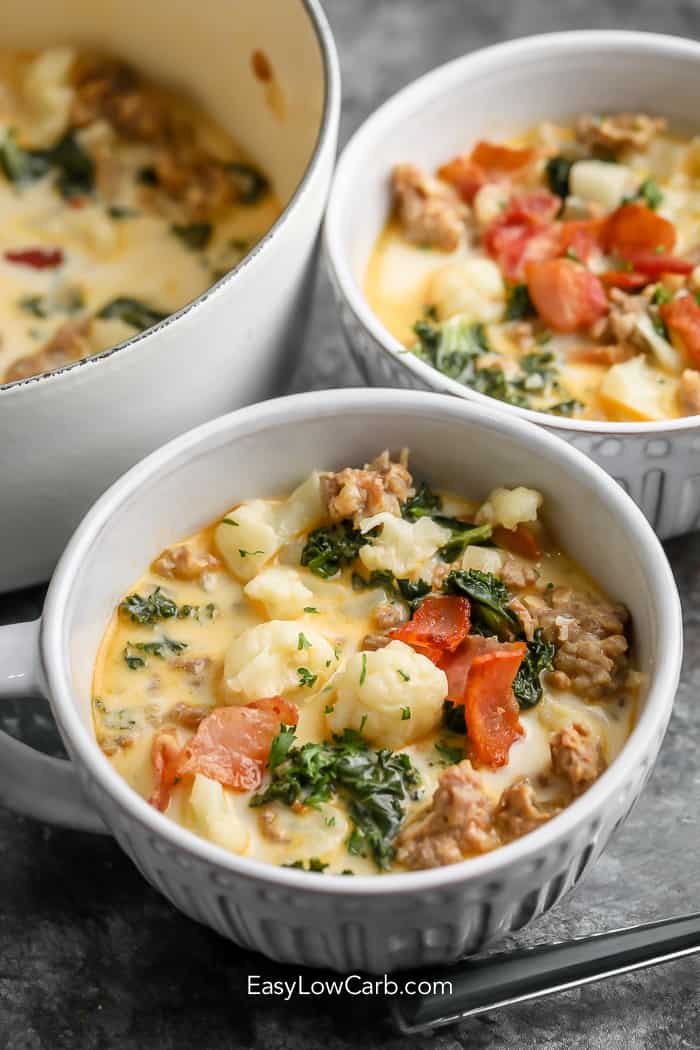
506 978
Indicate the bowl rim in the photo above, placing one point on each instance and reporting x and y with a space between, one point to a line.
330 117
412 98
265 418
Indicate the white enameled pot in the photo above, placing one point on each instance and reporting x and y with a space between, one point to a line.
64 437
372 923
493 93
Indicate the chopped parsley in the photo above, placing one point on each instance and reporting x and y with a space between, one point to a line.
280 746
650 194
306 677
405 712
310 609
152 609
248 554
303 642
402 674
230 521
133 650
363 672
313 864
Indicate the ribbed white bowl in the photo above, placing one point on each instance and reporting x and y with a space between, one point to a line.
489 94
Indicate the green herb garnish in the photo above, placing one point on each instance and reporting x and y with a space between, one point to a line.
132 312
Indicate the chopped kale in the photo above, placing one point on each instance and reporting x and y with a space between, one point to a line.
527 685
76 167
519 304
453 717
565 408
413 591
331 547
463 535
451 755
558 171
373 785
20 165
423 504
67 301
132 312
195 236
251 184
489 599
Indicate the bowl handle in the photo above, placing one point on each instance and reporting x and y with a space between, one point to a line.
32 783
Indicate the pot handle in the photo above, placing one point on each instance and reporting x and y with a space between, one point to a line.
32 783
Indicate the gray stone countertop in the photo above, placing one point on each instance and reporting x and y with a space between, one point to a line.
92 959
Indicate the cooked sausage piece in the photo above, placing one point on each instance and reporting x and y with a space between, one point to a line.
382 485
577 757
519 811
182 563
69 343
621 129
430 212
458 823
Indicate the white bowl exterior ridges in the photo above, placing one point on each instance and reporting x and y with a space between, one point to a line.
367 923
658 464
67 435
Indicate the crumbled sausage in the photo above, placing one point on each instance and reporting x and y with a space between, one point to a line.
515 573
430 211
268 822
382 485
111 90
182 563
607 354
689 391
526 618
193 177
619 326
518 810
189 715
459 822
618 130
577 757
68 343
388 615
589 635
372 642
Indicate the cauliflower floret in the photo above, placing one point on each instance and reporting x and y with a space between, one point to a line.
482 559
263 526
510 507
247 539
488 203
277 658
473 288
215 816
49 95
597 181
281 591
402 547
395 690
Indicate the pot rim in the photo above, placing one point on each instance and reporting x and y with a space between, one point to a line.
329 122
411 99
642 743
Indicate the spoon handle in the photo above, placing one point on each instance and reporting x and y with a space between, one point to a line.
505 978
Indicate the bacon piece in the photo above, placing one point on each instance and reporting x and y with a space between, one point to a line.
625 279
439 623
654 264
456 665
490 708
581 237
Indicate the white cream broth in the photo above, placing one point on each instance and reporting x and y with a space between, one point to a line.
117 237
133 703
405 282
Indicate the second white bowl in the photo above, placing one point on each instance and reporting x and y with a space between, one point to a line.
492 94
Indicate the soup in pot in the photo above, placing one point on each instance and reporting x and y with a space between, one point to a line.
121 201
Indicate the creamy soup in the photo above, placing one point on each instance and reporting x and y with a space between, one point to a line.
557 272
365 675
120 202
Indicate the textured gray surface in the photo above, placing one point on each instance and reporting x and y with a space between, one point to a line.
91 957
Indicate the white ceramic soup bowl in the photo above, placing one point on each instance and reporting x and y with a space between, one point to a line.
374 923
491 94
65 436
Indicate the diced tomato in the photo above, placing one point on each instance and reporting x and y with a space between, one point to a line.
37 258
514 246
682 318
654 264
536 208
439 623
625 279
165 754
565 294
501 160
456 664
520 540
490 708
465 176
636 228
581 237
